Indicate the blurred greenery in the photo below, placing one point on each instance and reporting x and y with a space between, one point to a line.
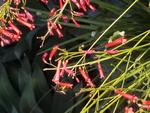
25 88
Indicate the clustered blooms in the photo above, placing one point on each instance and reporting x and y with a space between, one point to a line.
76 8
144 104
9 32
64 68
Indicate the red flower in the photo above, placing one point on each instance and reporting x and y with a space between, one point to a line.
83 5
51 26
28 15
60 4
15 28
101 73
77 79
86 77
116 42
57 74
30 26
75 22
52 53
144 106
44 1
78 13
44 57
3 40
52 12
64 18
65 85
49 29
76 3
63 69
90 6
60 35
132 98
146 102
12 36
89 51
112 52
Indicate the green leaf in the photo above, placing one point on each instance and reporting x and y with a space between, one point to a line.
27 100
7 92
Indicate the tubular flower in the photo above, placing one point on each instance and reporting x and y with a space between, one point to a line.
56 77
131 98
75 22
56 15
44 57
116 42
18 32
65 69
89 52
29 25
100 70
144 106
111 52
146 102
11 36
65 85
52 53
86 77
9 32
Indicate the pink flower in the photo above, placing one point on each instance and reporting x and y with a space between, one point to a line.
15 28
65 85
78 13
75 22
116 42
77 79
60 4
111 52
52 12
89 52
12 36
57 74
29 15
44 1
100 70
44 56
25 23
86 77
83 5
76 3
65 69
132 98
6 41
146 102
52 53
144 106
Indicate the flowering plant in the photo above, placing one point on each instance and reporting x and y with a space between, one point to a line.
102 59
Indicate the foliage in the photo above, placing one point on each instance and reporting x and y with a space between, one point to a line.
25 88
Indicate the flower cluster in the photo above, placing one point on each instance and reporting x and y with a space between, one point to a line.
14 12
66 67
73 8
144 104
